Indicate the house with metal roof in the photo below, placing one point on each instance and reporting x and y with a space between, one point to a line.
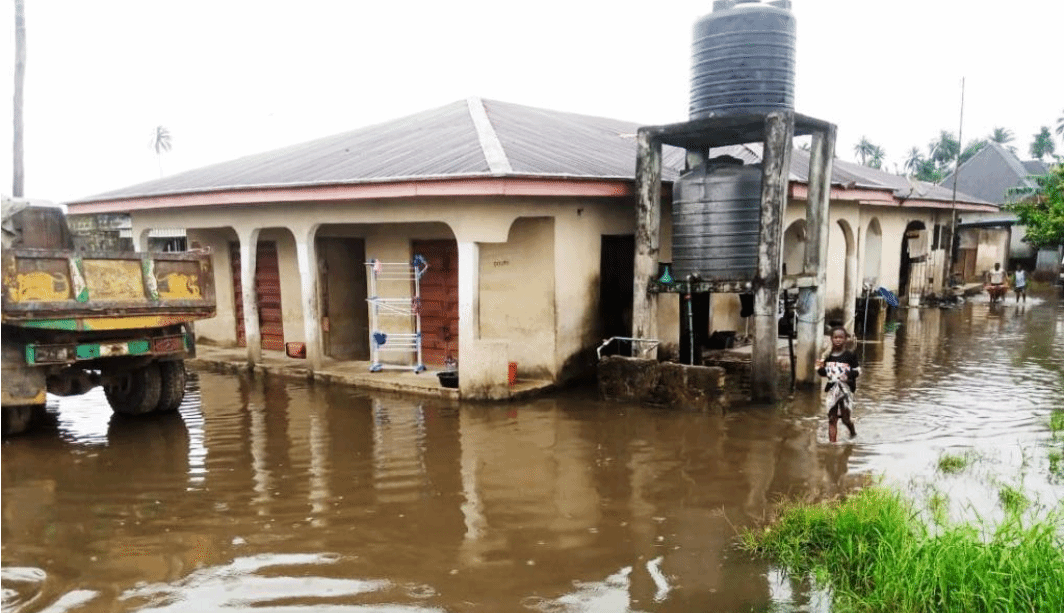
988 238
525 220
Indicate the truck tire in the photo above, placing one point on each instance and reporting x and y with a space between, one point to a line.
172 385
17 419
135 391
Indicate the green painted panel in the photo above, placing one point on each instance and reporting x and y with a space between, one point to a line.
138 347
53 324
88 351
31 354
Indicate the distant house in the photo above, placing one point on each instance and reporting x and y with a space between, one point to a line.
989 238
526 218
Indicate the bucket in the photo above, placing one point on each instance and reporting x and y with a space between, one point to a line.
513 373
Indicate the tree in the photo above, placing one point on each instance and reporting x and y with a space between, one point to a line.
1042 144
1060 125
928 171
972 148
913 160
1042 209
19 169
160 142
864 149
1002 136
944 150
875 160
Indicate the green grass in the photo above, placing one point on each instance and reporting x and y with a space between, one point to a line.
878 556
1012 499
1056 423
1056 464
953 463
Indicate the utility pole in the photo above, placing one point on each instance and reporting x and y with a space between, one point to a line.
952 254
19 172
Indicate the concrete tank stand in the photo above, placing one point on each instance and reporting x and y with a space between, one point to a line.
776 131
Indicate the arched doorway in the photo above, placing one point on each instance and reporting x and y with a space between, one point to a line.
873 254
794 247
912 277
849 287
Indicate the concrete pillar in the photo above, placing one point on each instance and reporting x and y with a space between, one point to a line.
482 365
647 239
849 296
142 240
307 257
775 179
810 307
249 242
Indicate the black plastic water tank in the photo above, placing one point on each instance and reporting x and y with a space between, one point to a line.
716 221
743 59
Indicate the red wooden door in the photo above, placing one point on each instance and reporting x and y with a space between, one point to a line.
439 299
267 294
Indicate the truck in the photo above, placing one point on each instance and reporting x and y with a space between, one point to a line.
73 320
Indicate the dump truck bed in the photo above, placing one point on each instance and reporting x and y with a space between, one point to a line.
96 291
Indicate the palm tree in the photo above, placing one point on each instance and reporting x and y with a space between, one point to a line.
972 148
1001 136
1060 125
864 150
945 149
1042 144
875 160
160 142
19 169
913 160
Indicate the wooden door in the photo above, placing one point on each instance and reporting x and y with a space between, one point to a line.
439 299
267 294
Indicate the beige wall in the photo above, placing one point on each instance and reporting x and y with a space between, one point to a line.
545 302
517 295
220 329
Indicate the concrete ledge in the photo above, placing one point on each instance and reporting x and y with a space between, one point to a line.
660 383
352 373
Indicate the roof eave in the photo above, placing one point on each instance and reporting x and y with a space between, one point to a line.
480 185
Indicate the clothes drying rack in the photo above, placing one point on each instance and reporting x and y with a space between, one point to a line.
387 313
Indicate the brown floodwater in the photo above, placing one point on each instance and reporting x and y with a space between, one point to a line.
275 495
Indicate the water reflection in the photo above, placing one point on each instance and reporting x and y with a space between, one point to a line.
277 495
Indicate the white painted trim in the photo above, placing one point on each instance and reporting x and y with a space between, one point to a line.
489 140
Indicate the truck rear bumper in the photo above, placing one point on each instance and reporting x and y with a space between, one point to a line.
177 345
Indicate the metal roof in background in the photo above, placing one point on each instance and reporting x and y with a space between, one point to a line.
991 172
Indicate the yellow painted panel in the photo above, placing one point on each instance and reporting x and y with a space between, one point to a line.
39 286
177 286
123 323
114 279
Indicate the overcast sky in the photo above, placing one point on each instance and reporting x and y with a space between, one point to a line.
234 77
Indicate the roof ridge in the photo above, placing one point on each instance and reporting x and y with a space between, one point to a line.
490 145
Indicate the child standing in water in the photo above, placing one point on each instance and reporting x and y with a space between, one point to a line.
841 368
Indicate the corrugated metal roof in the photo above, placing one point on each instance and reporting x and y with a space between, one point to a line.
991 172
437 143
454 141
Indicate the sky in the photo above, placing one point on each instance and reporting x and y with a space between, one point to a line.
230 78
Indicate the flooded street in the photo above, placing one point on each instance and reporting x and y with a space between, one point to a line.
276 495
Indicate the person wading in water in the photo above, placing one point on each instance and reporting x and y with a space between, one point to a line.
841 368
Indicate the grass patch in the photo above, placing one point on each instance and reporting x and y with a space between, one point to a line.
952 464
1056 423
1013 499
1056 464
876 555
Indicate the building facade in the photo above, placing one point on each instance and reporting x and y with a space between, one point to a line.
525 218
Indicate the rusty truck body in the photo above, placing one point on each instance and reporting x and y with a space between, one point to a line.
73 320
